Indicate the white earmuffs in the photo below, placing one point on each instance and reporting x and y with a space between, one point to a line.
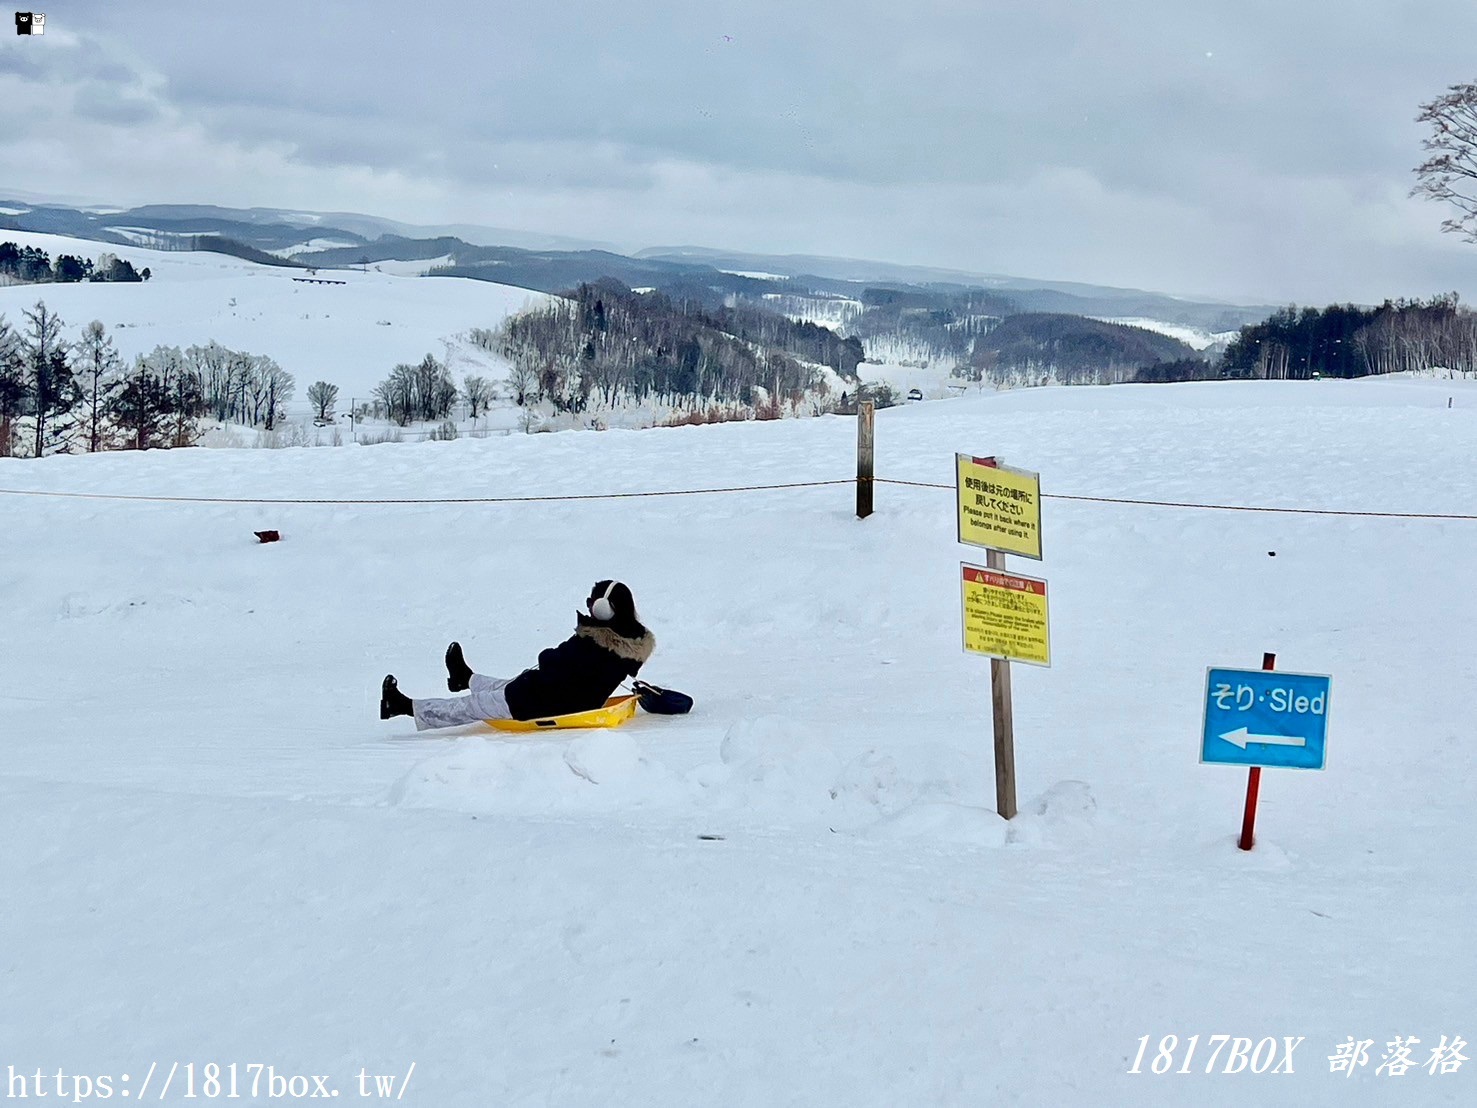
601 608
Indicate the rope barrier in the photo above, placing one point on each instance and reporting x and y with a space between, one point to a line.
1210 507
725 489
408 500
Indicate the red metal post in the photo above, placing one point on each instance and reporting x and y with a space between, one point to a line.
1248 819
1253 785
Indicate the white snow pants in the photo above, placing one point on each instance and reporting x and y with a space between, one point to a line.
485 700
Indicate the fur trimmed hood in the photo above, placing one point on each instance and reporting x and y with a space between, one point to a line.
636 648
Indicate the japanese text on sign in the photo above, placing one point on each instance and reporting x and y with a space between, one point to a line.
1265 718
1005 615
999 507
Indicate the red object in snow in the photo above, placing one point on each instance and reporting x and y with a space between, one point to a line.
267 536
1253 783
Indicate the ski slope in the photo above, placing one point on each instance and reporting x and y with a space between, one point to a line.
350 335
216 852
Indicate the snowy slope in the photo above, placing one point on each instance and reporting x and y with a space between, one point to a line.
1195 337
350 335
215 852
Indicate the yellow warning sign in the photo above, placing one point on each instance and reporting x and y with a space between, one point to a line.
1005 615
999 507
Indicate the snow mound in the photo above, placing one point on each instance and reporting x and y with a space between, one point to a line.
944 821
1062 816
596 772
771 771
794 772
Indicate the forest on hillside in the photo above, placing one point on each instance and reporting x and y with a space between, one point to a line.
1343 340
606 342
1066 349
986 336
612 343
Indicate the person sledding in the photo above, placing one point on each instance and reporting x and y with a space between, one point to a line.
608 645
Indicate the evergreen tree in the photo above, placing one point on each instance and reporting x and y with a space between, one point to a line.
183 394
53 393
70 268
13 388
140 408
34 265
185 399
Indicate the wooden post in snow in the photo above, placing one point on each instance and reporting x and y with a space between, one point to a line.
864 471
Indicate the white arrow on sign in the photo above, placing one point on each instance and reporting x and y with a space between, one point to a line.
1241 736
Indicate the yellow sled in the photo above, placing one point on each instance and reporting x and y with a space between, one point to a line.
615 712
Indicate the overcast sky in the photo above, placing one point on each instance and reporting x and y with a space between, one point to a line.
1252 150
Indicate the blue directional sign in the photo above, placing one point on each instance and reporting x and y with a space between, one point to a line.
1262 717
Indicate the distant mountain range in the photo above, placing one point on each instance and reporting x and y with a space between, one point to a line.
549 263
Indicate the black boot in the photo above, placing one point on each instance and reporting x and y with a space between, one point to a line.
458 673
393 702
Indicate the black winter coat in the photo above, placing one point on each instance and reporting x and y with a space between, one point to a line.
582 671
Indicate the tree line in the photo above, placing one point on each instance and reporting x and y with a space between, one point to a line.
1032 348
32 265
427 391
79 396
1343 340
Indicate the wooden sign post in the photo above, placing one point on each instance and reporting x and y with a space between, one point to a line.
1004 614
1004 720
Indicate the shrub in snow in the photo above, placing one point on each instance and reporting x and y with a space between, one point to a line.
374 438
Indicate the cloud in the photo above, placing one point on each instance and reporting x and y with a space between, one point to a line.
1219 147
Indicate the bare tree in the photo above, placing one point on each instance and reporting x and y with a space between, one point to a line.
1271 361
322 396
434 390
397 394
212 364
422 391
265 388
1450 173
521 379
241 372
98 367
478 393
279 387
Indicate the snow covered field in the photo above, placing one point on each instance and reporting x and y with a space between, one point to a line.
350 335
215 852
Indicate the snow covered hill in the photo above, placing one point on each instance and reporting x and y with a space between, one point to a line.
215 852
1197 337
350 335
